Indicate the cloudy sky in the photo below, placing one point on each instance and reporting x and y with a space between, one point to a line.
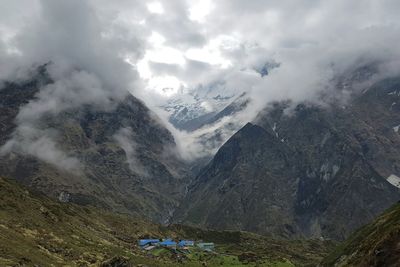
159 50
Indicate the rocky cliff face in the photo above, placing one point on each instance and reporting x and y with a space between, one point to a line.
314 172
125 156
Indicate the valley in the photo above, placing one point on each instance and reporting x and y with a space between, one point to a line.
38 231
199 133
271 196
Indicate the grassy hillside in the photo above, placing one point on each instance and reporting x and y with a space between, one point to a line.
37 230
376 244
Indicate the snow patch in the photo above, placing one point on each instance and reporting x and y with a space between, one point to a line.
396 92
325 138
335 169
396 128
394 180
187 105
325 171
328 171
274 129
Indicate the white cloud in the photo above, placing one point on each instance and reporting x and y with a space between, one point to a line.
125 139
40 143
155 7
212 53
87 67
159 48
199 10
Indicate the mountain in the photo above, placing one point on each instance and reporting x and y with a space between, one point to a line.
208 131
237 105
38 231
311 171
192 109
125 157
376 244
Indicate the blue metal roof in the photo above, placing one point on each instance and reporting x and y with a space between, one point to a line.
143 242
183 243
168 242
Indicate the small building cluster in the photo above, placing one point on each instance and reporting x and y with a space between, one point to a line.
149 244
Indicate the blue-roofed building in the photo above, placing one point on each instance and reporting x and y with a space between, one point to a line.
186 243
148 242
168 243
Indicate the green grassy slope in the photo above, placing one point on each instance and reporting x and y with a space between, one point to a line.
35 230
376 244
247 245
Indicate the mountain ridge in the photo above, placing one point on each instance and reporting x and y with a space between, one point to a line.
332 177
124 154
